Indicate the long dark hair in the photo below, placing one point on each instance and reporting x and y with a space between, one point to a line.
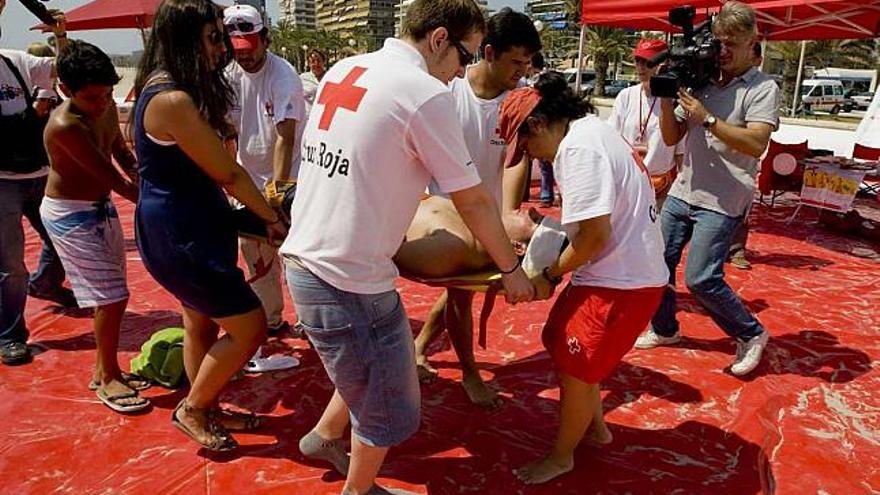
175 46
558 101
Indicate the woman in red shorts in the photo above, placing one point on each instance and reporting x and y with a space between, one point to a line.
616 257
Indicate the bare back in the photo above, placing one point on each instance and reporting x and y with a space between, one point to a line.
439 244
75 172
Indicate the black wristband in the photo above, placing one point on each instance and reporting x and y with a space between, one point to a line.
517 265
553 280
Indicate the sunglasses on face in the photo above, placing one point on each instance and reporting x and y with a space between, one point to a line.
242 27
465 57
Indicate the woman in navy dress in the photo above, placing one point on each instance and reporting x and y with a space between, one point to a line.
185 233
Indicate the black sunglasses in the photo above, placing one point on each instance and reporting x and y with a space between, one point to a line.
242 27
465 57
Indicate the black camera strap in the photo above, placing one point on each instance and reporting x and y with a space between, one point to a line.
28 98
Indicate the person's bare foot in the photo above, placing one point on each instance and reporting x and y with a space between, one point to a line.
479 393
599 435
543 470
427 374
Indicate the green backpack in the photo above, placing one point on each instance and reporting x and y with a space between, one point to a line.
161 358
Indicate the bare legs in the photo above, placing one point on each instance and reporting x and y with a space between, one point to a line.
108 376
211 361
580 411
454 307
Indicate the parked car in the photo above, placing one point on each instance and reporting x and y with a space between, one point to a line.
588 77
861 101
614 87
822 94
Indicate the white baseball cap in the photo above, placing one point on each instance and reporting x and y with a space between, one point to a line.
46 94
243 24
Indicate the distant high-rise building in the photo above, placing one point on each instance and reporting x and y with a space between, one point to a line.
550 12
402 6
371 18
298 13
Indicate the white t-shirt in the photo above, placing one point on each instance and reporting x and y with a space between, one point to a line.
380 129
310 89
625 115
36 71
479 120
263 100
598 176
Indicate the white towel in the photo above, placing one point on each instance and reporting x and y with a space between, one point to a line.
545 246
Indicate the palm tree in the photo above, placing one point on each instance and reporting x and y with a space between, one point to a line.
856 54
603 46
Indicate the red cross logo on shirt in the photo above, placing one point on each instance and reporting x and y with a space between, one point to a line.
343 94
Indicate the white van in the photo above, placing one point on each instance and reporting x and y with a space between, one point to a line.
822 94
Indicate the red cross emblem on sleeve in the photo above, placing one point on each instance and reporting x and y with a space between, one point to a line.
343 94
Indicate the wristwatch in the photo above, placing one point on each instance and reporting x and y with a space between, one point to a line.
709 121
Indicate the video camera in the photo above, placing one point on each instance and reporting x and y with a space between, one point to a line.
39 10
694 60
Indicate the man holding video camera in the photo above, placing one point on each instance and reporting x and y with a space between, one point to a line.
23 170
727 126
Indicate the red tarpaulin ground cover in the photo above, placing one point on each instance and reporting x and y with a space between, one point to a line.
807 421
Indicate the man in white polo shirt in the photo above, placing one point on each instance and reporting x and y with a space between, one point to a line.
511 40
383 125
268 113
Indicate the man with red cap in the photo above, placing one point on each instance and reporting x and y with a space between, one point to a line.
636 116
268 113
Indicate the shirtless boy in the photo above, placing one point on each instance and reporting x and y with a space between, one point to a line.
81 137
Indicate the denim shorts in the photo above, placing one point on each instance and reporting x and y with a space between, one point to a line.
366 344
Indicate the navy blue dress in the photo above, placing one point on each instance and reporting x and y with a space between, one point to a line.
184 227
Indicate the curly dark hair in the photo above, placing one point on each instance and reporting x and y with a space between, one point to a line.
83 64
558 101
175 46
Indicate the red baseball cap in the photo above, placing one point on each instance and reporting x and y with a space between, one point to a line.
515 109
649 48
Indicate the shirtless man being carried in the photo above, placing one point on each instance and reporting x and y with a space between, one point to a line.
438 243
81 137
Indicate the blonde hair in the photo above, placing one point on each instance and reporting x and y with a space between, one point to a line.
40 50
735 18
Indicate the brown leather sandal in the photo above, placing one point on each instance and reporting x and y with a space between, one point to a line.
219 439
226 417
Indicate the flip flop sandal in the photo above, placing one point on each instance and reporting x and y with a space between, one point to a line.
111 401
134 382
250 421
220 440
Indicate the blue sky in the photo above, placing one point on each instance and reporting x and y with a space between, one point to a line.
15 21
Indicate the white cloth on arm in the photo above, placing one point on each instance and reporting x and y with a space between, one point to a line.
546 245
479 121
264 99
36 71
625 117
386 127
598 176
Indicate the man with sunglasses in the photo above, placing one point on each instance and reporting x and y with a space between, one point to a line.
382 126
636 116
511 40
268 112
